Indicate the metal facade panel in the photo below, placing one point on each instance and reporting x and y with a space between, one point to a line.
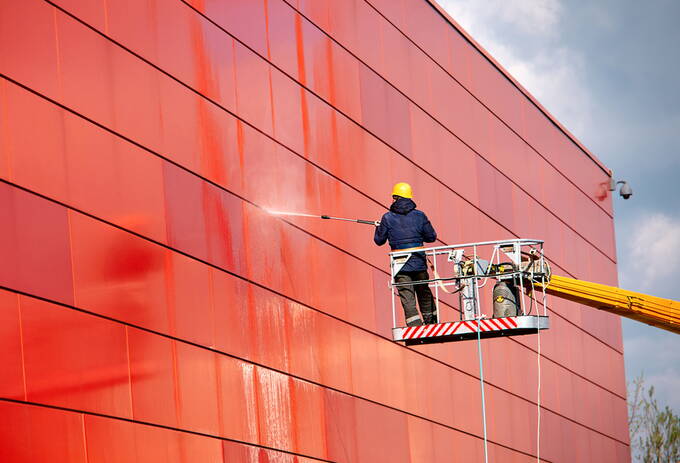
74 360
34 245
152 377
141 142
12 384
34 433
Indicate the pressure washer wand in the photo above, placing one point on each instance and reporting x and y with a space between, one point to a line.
367 222
328 217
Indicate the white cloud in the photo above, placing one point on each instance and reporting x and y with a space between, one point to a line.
654 252
530 16
556 78
523 36
600 16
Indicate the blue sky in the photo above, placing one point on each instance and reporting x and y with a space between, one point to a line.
609 70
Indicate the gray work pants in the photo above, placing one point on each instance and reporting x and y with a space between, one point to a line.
408 294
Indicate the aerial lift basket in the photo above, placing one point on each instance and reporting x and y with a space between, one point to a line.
460 276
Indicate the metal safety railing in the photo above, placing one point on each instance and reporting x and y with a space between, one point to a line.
466 268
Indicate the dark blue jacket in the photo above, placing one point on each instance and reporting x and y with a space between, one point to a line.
406 227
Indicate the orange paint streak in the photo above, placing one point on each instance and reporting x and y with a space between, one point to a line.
178 396
169 273
129 370
269 57
331 78
306 130
220 404
240 143
5 134
335 153
82 427
246 240
293 397
57 47
271 100
233 71
211 152
211 291
21 340
302 77
106 17
199 5
70 255
299 41
266 26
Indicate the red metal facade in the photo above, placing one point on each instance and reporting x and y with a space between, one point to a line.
151 310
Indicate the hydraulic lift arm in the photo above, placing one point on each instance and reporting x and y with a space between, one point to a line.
655 311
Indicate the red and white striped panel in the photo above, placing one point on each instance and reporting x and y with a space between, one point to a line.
451 328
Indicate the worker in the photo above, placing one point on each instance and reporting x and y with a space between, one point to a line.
406 227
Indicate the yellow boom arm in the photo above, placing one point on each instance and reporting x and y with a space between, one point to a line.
655 311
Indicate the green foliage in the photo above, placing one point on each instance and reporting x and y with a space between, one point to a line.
654 431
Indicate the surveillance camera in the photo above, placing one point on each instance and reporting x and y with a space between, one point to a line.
626 191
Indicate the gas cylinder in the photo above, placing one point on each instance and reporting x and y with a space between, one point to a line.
504 300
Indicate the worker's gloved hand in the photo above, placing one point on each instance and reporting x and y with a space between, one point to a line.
376 223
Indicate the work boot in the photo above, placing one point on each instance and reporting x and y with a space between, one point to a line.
430 319
414 321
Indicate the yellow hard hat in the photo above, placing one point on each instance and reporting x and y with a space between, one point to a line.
402 189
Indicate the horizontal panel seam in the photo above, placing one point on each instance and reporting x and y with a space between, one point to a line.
156 425
283 220
295 376
274 291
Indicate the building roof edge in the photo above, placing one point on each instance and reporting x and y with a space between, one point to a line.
519 86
